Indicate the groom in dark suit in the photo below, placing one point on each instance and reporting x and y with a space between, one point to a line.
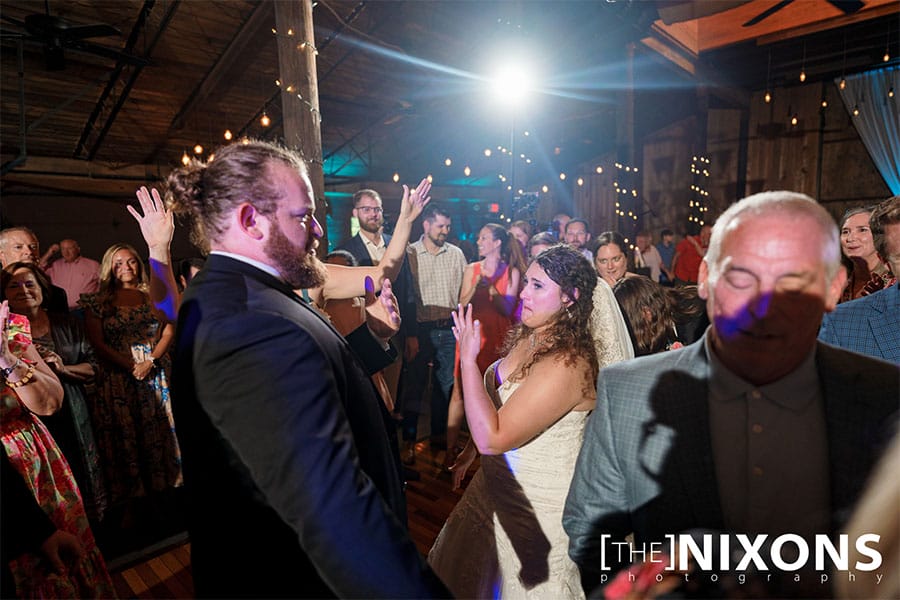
754 429
291 471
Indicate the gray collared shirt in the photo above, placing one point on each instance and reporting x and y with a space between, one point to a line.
770 449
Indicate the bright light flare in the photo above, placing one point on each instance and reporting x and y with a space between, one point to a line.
511 83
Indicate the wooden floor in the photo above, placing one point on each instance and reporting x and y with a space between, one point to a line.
429 501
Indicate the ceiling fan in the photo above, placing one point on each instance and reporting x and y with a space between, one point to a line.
57 35
847 6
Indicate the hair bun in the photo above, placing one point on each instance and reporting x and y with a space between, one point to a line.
184 187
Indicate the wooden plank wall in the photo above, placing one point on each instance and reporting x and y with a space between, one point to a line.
779 157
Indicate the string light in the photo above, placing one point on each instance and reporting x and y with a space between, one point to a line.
265 121
891 93
580 181
430 178
487 152
448 162
843 83
598 170
467 171
185 159
856 110
545 189
198 149
396 177
768 96
803 65
228 135
794 120
562 176
245 140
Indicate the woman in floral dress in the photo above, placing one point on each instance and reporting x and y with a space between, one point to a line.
133 417
29 388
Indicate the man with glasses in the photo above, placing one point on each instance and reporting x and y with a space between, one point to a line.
368 247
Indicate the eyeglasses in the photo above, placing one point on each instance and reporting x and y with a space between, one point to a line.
370 209
614 260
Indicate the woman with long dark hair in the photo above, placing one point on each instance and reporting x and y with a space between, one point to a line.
526 416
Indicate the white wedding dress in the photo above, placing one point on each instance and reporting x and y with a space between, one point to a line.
505 537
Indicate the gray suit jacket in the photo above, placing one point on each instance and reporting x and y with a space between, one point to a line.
646 465
868 325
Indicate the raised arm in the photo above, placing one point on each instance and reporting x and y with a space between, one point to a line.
348 282
157 227
542 398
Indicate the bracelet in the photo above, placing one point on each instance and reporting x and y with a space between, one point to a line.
8 370
29 375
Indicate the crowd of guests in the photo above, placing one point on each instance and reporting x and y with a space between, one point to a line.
285 393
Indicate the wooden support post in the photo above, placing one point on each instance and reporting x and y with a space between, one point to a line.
300 105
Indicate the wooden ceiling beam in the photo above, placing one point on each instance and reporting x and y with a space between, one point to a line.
259 20
858 17
88 178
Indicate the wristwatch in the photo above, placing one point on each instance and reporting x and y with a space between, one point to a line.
6 371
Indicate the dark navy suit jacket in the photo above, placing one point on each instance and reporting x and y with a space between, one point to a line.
292 476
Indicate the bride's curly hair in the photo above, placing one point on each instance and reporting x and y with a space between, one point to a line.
569 334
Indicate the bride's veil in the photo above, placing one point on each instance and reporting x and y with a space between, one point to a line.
611 339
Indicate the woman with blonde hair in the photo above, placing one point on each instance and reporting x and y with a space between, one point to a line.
133 416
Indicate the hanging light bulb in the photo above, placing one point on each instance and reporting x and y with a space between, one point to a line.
562 176
487 151
579 181
198 149
856 110
228 134
212 156
265 121
824 103
794 120
891 93
245 140
887 55
599 170
802 76
767 97
467 171
545 189
448 162
185 159
396 177
843 83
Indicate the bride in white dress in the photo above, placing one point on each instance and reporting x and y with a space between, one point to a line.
526 416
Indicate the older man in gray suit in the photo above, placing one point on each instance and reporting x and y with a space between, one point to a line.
754 429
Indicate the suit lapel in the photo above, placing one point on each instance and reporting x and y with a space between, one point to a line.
683 405
226 263
884 329
846 419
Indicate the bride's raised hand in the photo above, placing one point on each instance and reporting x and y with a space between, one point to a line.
467 332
